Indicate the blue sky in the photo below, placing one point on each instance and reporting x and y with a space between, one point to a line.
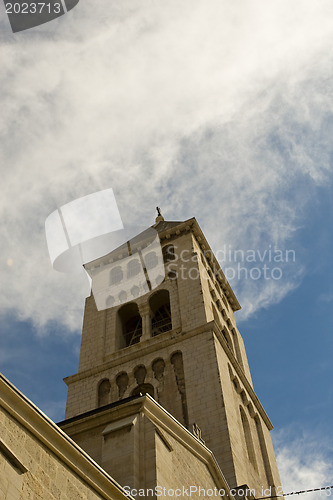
218 112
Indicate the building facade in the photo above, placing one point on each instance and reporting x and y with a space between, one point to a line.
171 336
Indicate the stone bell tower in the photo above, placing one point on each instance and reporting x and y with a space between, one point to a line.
173 335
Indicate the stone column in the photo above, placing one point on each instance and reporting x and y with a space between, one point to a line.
144 311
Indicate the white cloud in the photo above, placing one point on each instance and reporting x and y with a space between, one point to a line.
305 462
201 108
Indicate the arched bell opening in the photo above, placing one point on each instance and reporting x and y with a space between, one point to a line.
129 324
161 312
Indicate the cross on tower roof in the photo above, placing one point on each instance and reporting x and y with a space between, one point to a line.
159 217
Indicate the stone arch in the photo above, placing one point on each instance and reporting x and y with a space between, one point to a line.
177 361
140 374
225 302
227 338
122 383
263 449
251 410
248 438
159 304
237 386
237 348
103 392
158 367
216 316
244 399
129 325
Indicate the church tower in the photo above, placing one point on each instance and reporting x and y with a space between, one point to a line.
175 339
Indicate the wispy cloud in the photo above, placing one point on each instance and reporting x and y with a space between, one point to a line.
305 462
216 111
326 297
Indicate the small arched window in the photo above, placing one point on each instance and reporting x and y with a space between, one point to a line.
228 340
237 348
225 302
248 438
104 389
178 366
158 367
140 373
116 275
122 383
216 316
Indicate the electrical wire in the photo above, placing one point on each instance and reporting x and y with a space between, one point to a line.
297 492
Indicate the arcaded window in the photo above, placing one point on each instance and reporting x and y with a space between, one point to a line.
158 367
104 389
130 324
133 268
178 366
225 302
216 316
116 275
140 373
237 348
122 383
226 335
168 253
263 449
248 438
161 312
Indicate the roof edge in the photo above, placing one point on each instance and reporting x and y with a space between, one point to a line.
56 440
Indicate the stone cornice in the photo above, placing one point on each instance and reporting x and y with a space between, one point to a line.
148 346
173 337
